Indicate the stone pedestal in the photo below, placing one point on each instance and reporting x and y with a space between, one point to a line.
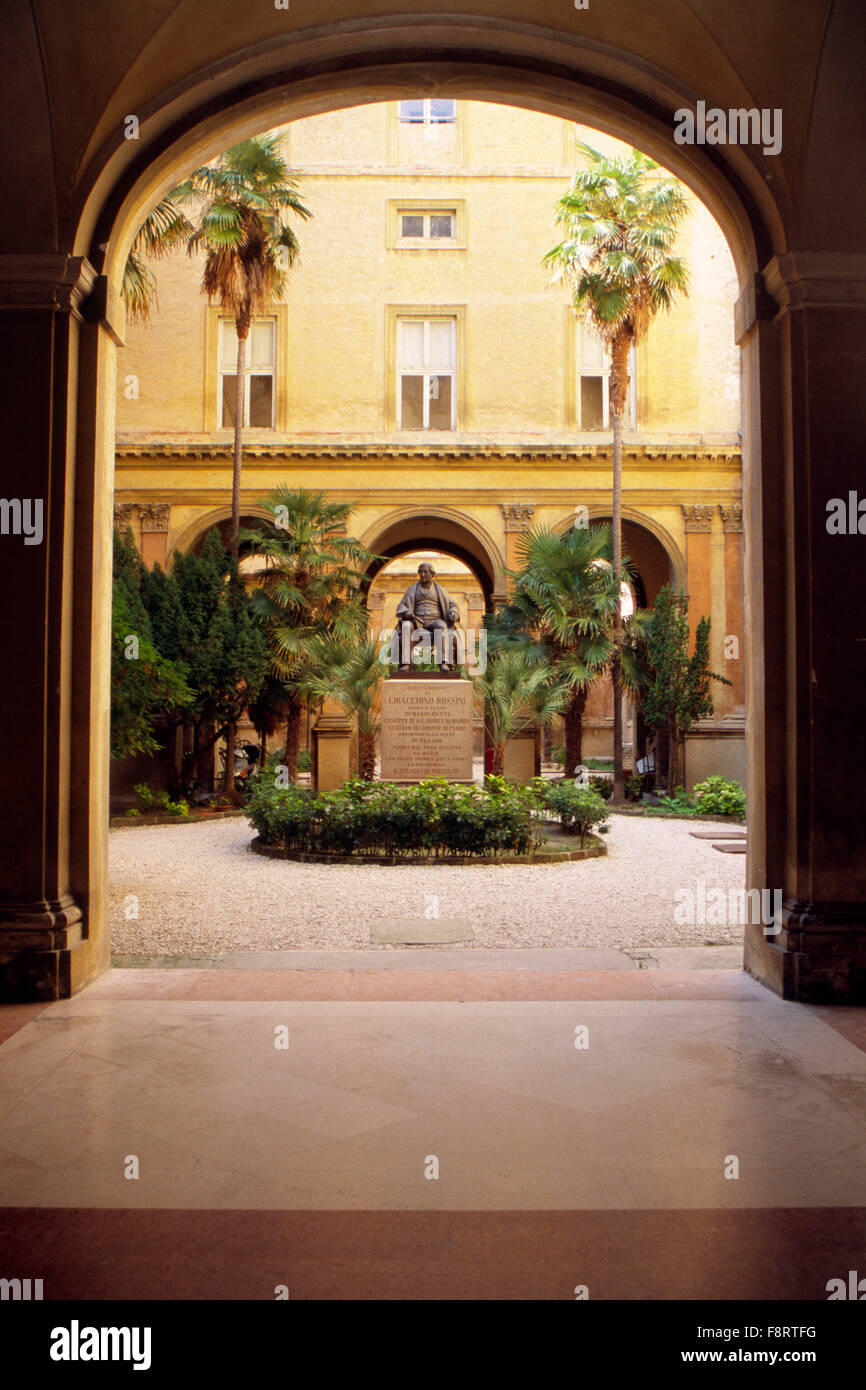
332 752
523 756
426 729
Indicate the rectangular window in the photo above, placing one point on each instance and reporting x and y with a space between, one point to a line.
426 366
428 226
428 111
593 381
258 376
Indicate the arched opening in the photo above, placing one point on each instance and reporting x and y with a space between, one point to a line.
445 533
732 194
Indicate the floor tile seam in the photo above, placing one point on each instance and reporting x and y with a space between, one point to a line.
34 1088
16 1028
228 993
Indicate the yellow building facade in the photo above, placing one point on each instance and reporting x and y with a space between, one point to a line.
422 368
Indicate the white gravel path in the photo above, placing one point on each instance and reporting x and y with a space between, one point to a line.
200 892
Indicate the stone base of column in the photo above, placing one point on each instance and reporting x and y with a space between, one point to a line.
819 956
38 944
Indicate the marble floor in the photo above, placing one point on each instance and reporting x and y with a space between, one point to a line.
675 1133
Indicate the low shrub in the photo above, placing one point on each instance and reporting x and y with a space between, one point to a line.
603 786
633 788
155 803
377 818
580 809
677 800
716 796
305 760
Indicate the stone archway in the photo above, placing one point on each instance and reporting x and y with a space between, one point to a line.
791 320
443 529
192 535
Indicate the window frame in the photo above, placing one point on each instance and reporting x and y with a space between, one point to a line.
394 312
577 372
426 239
427 375
249 373
398 208
427 106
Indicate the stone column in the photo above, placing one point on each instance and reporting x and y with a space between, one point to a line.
808 646
154 533
55 319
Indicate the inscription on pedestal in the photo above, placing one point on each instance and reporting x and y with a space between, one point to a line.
426 730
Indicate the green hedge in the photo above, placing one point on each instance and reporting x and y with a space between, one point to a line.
435 819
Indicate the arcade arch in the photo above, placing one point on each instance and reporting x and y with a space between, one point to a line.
595 84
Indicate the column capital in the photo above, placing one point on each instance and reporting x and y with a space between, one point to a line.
123 514
732 517
517 515
61 284
817 280
52 282
697 518
154 516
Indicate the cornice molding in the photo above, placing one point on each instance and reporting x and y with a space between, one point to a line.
55 283
729 454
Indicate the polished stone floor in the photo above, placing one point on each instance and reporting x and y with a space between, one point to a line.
699 1127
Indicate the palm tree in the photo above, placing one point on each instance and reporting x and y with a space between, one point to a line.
350 672
248 249
163 230
563 612
517 691
620 222
308 587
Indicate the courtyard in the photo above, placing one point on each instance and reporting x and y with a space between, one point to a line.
198 891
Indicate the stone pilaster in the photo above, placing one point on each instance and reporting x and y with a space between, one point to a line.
807 637
734 662
517 518
698 521
155 519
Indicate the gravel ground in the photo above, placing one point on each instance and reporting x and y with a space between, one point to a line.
199 891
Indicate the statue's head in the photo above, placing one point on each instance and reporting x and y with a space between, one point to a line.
426 573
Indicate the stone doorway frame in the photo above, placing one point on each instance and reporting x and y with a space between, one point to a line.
54 945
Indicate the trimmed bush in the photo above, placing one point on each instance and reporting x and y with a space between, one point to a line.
718 797
580 809
433 819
